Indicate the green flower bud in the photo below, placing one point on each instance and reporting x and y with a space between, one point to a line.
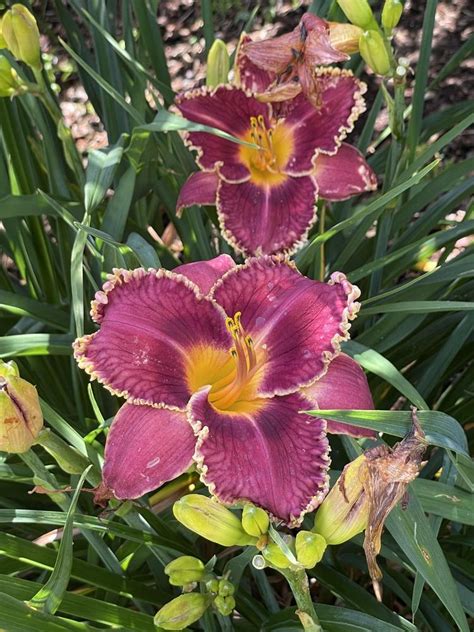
184 570
224 605
344 37
358 12
275 556
226 588
218 63
10 83
211 520
345 510
3 43
213 586
182 611
21 418
373 51
255 520
310 548
391 14
20 31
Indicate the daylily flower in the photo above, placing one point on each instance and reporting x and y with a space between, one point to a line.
216 361
265 196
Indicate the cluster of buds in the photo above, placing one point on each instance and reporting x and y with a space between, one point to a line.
374 45
20 412
216 592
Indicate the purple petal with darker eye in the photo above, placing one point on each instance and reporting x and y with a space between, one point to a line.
206 273
200 188
267 219
298 323
145 448
229 109
322 129
343 387
344 174
150 322
272 457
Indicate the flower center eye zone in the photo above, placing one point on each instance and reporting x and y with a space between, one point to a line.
275 147
233 376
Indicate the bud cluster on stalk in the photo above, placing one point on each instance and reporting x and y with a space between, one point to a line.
374 45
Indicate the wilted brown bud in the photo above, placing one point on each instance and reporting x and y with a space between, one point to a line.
386 477
20 413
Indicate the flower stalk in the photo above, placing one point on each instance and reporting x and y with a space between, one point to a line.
298 581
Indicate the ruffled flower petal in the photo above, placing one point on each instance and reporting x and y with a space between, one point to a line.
344 174
145 448
247 75
321 129
273 456
206 273
343 387
151 323
297 324
268 218
200 188
229 109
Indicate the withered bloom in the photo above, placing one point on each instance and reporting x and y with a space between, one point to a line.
367 491
386 477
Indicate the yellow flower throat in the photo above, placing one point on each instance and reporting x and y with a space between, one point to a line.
233 379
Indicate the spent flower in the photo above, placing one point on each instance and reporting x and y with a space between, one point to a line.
21 418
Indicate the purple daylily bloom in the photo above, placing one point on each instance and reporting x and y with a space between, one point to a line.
265 197
216 362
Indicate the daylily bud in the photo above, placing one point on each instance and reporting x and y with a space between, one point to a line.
310 548
211 520
374 53
213 586
182 611
10 82
20 31
224 605
20 413
345 510
391 14
255 520
226 588
275 556
218 63
357 11
345 37
184 570
3 43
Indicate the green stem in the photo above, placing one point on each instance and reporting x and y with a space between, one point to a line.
68 459
298 581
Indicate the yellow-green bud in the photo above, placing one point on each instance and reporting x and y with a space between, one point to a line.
211 520
224 605
218 63
275 556
10 83
345 510
3 43
255 520
184 570
310 548
20 413
213 586
344 37
391 14
373 51
20 31
182 611
358 12
226 588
